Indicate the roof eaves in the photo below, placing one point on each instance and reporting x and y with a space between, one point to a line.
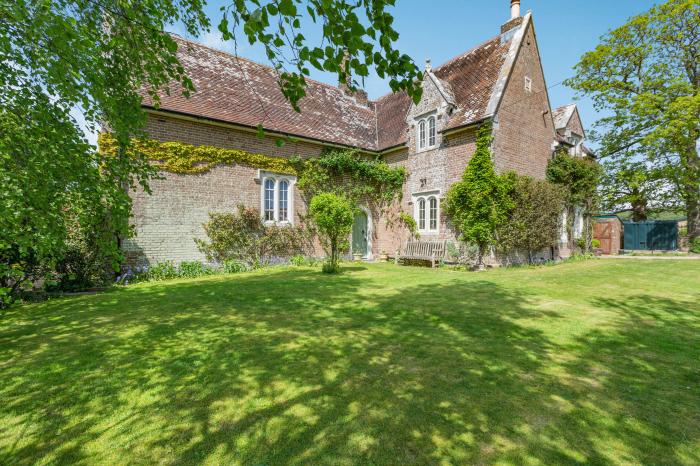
248 128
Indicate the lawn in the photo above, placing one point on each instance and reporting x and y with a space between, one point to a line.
590 362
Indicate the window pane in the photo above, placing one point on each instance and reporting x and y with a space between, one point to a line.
283 202
421 214
431 131
433 213
421 134
269 204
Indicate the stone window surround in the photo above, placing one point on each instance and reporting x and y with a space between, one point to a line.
263 176
426 196
429 122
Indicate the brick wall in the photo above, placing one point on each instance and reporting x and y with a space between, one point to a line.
432 170
167 221
523 135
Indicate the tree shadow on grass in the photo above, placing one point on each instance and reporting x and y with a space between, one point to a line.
294 367
643 374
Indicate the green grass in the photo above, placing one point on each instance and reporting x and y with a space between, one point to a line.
590 362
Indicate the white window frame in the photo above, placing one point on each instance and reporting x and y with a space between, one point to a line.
528 84
277 178
426 133
432 132
421 134
426 197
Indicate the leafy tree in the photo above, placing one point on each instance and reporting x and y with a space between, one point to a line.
333 216
632 187
357 35
579 176
479 204
533 222
98 57
646 76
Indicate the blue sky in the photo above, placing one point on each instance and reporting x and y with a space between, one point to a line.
442 29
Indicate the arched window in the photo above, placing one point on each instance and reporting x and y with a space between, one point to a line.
269 205
282 201
421 213
421 134
431 131
433 204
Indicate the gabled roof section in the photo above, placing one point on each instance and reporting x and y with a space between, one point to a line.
235 90
562 115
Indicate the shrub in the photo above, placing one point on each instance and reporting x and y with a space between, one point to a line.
695 245
329 267
84 263
234 266
233 236
194 269
157 272
333 216
298 260
533 221
462 253
243 236
595 243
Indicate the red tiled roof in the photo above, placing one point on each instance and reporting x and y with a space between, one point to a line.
472 77
239 91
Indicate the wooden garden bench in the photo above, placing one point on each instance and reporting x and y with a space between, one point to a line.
432 251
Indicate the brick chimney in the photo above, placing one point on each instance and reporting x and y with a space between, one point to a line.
360 95
514 9
515 18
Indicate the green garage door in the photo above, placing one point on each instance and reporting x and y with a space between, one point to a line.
651 235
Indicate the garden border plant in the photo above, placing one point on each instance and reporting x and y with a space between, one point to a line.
579 176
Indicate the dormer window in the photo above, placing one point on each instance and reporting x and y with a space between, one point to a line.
427 133
431 131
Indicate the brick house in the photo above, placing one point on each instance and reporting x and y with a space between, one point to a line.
501 80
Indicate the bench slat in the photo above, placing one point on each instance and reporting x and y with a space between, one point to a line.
424 250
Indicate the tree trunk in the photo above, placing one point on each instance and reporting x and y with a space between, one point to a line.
480 257
692 186
639 211
693 219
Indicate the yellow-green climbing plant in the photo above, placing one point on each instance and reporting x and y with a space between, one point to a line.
178 157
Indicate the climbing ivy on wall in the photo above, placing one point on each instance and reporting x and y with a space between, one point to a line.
347 172
178 157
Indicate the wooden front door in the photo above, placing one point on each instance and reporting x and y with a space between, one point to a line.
359 234
602 231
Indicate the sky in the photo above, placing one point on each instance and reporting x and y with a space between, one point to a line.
443 29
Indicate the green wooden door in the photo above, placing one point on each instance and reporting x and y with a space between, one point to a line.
359 234
651 235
